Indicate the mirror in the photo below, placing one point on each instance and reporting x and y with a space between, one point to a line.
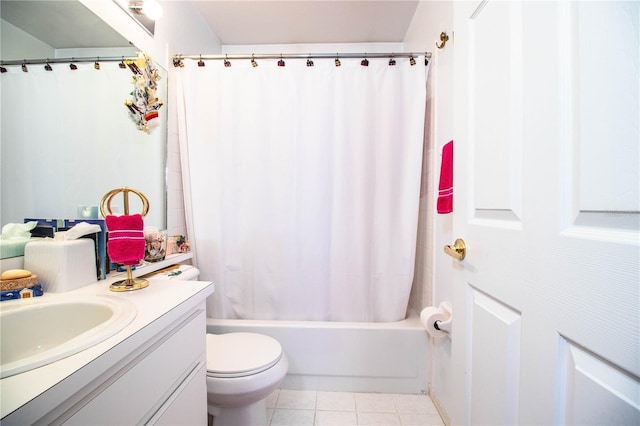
135 10
67 138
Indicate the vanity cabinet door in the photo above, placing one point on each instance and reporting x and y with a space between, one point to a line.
185 407
158 381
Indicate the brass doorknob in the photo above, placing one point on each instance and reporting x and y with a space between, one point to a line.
458 250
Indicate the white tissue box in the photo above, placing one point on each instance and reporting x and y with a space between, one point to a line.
61 265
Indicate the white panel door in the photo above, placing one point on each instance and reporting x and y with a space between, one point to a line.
546 304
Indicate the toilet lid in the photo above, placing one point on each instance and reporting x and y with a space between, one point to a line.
240 354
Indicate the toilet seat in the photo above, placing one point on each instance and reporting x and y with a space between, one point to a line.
240 354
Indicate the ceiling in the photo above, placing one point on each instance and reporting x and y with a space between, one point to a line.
69 24
307 21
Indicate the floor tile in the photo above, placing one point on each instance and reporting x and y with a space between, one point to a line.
336 418
432 407
375 403
336 401
311 408
287 417
417 404
410 419
378 419
270 402
297 399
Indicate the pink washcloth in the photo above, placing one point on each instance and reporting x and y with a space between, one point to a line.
126 239
445 188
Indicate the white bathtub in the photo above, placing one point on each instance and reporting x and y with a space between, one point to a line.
346 356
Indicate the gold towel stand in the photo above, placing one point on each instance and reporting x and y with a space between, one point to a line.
105 207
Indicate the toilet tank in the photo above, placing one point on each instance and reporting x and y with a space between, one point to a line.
179 273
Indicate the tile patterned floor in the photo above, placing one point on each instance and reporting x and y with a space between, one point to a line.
311 408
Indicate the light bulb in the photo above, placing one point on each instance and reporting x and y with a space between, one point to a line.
152 9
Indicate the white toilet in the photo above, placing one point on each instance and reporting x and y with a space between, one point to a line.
242 370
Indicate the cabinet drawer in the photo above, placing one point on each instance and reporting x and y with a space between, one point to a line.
147 382
188 406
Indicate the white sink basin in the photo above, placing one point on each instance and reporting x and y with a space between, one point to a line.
35 332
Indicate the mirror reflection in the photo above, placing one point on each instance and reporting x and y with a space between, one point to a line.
144 13
67 137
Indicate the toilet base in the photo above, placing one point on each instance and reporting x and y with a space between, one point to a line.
253 414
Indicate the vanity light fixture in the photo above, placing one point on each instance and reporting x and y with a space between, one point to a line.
150 8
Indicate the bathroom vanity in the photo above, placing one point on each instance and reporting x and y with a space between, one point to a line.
153 371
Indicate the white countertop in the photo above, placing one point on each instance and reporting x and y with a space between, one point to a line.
152 302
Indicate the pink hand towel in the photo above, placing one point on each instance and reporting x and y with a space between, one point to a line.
445 188
126 239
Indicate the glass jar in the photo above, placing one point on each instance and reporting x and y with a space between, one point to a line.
155 245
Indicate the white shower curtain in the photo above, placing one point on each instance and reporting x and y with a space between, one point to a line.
304 185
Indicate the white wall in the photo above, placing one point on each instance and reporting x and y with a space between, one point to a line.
313 48
433 273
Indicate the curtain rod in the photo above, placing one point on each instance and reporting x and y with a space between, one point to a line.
303 56
67 60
